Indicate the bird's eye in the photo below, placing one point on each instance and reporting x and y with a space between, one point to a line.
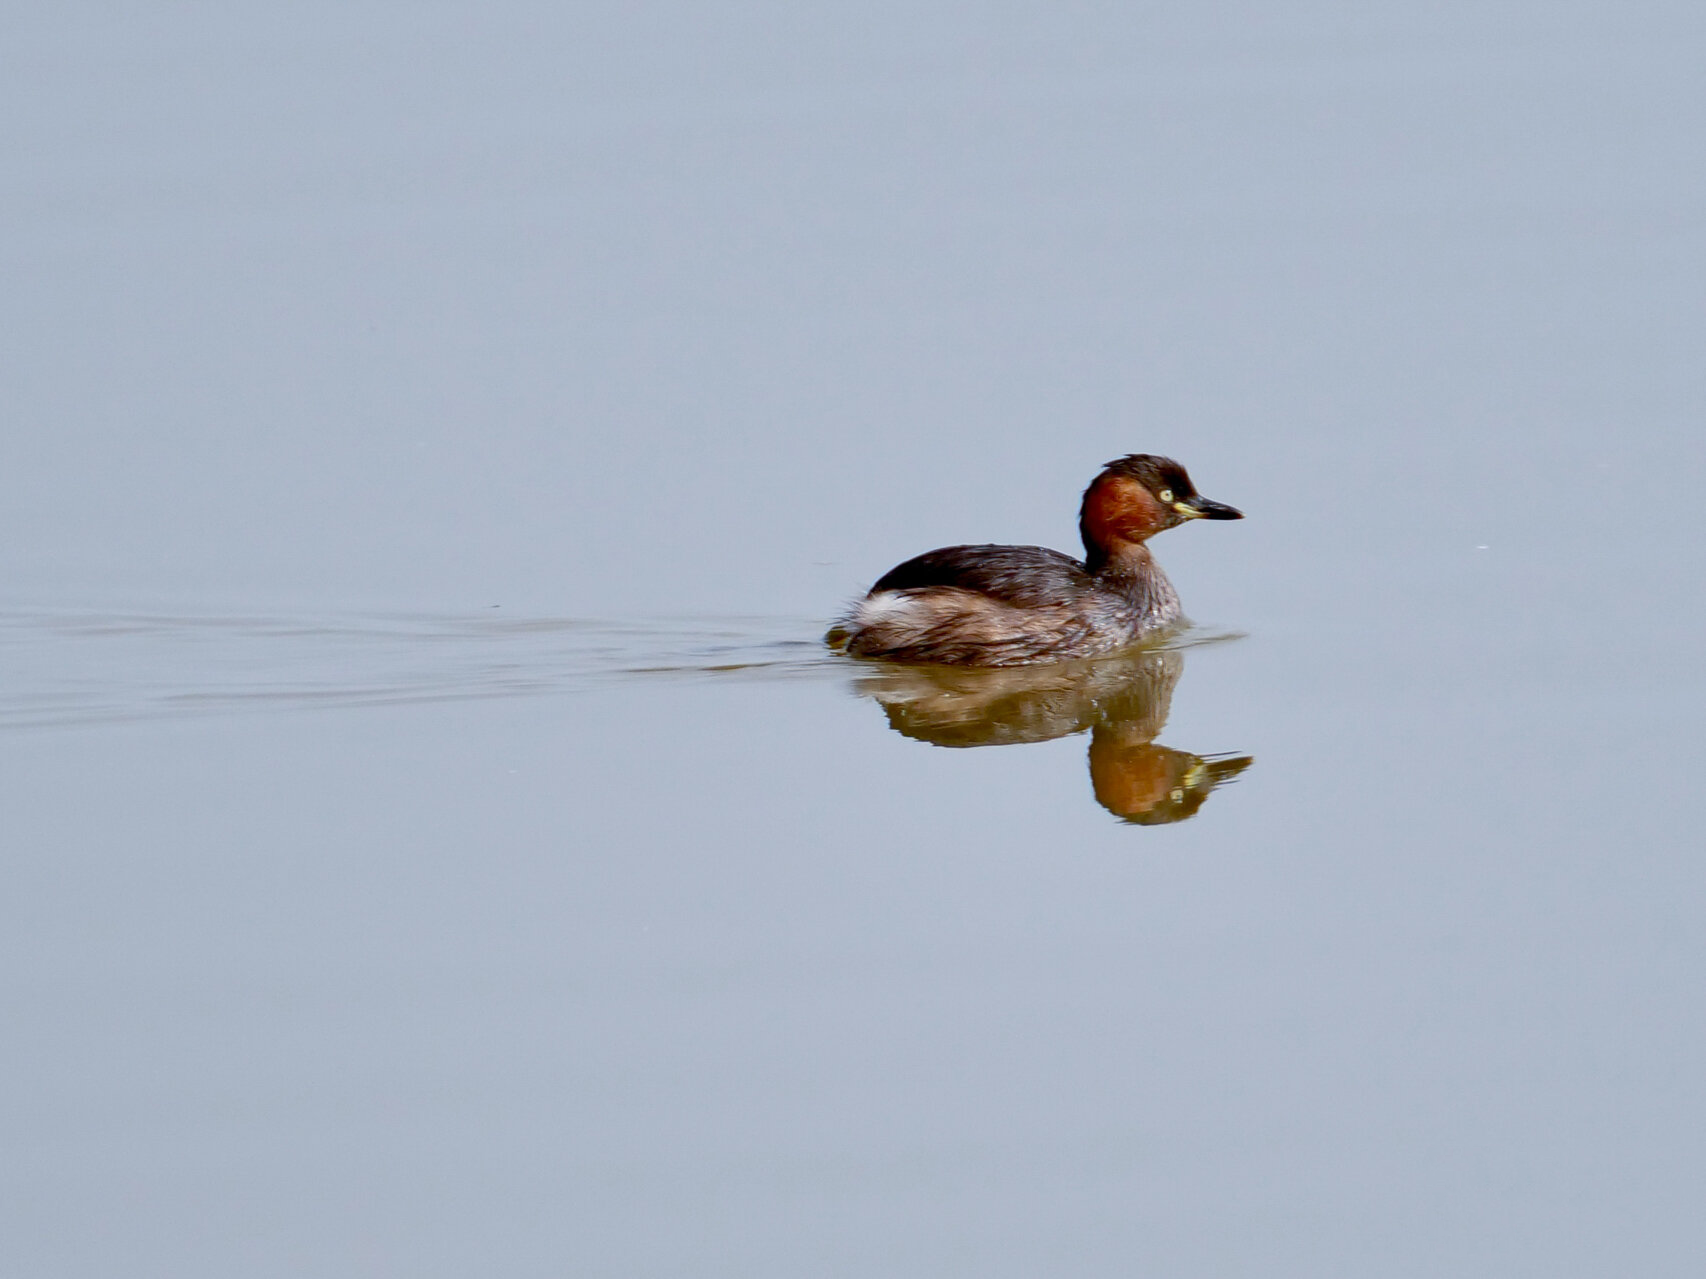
1176 796
1166 495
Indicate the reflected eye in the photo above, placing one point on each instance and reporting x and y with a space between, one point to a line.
1176 796
1166 495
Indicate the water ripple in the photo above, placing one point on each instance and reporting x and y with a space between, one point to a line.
68 667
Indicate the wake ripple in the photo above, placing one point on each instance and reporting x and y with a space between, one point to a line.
69 668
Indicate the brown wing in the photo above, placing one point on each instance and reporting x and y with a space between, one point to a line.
1024 576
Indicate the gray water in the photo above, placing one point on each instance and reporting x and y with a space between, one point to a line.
437 844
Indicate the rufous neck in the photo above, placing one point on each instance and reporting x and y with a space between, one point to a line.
1122 560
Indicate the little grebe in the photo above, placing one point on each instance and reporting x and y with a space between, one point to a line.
1011 605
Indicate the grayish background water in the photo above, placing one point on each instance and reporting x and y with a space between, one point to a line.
436 436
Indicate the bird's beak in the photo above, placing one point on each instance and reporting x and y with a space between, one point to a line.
1197 507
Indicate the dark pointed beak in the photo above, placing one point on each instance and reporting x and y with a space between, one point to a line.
1197 507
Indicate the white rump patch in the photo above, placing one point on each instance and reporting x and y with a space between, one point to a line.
887 605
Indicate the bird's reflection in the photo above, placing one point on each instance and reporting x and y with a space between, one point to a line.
1122 700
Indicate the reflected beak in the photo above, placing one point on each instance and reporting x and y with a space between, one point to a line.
1200 508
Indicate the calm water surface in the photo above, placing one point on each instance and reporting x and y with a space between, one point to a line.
660 950
436 842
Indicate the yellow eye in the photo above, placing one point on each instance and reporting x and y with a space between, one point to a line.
1166 495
